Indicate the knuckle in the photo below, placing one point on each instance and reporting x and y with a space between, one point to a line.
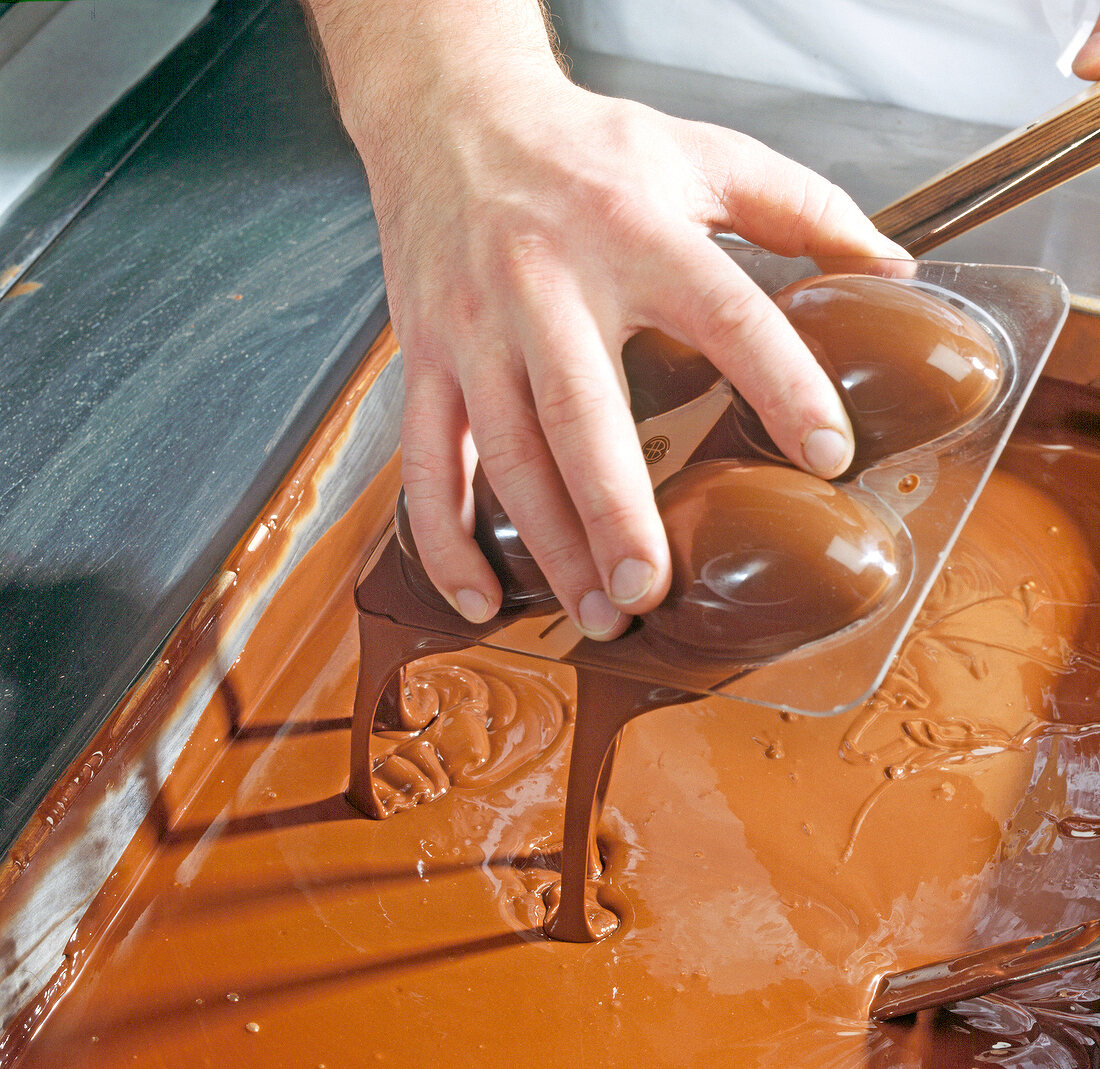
569 400
619 207
464 309
788 400
523 262
422 473
774 407
509 450
821 204
434 528
525 249
563 563
614 519
730 316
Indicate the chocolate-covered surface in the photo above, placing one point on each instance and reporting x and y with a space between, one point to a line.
767 870
765 559
662 374
909 366
521 579
982 972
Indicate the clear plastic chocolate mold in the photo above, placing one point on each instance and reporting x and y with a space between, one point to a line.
789 592
912 362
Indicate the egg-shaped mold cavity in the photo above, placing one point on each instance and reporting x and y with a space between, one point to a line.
520 577
909 365
766 559
662 374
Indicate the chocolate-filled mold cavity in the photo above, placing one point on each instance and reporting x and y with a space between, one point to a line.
911 366
662 374
686 414
520 577
766 559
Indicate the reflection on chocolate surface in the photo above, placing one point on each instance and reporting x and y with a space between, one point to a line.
662 374
909 366
766 559
766 869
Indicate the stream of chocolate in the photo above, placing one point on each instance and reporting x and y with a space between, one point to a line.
765 558
766 869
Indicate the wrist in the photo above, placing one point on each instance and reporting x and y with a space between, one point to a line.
400 66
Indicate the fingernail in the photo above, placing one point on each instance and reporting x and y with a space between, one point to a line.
886 246
892 249
631 580
473 605
826 451
597 615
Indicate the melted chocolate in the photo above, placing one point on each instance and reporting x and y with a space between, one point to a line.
766 559
909 366
766 870
983 971
662 374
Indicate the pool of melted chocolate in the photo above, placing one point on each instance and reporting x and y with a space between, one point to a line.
767 868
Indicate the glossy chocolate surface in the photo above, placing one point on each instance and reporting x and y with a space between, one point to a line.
520 577
982 972
767 869
765 559
663 374
909 366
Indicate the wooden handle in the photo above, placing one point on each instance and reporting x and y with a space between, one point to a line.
1053 149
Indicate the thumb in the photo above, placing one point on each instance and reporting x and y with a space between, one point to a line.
778 204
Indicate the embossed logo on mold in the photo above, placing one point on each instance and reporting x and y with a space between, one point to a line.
655 448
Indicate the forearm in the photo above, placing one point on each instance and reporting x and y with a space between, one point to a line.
394 62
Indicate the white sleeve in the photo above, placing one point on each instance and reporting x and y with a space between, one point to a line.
988 60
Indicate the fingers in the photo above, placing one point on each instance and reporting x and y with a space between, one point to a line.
780 205
436 466
533 376
1087 63
713 305
586 419
525 476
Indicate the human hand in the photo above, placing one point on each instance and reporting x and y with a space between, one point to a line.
536 245
528 229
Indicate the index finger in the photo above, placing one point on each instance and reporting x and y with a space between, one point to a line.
779 204
713 305
1086 63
